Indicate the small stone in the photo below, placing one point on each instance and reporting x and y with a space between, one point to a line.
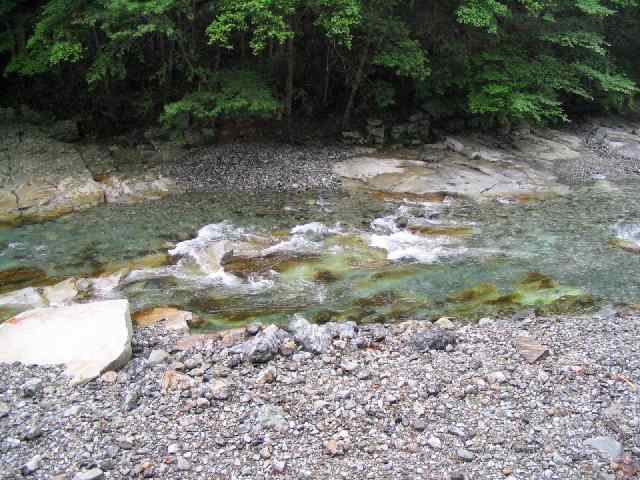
268 375
109 377
203 403
333 447
465 455
402 222
32 432
30 388
348 366
445 323
182 464
93 474
486 322
531 350
31 466
130 401
496 378
434 339
220 390
71 411
157 356
253 329
4 409
278 467
434 442
173 448
419 424
607 447
288 348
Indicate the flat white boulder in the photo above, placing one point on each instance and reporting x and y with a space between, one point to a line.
88 338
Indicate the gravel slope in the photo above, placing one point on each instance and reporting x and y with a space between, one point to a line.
372 406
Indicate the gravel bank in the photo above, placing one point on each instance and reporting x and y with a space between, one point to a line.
260 166
377 404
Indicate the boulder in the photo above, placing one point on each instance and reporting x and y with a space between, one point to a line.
313 338
136 189
262 347
88 339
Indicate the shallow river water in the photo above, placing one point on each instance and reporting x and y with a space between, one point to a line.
359 256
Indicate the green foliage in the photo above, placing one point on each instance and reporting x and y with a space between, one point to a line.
498 59
230 94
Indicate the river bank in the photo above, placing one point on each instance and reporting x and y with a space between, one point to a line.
430 264
396 401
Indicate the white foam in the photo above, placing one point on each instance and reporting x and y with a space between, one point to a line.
628 232
405 245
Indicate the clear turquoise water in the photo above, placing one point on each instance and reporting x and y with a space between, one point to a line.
564 238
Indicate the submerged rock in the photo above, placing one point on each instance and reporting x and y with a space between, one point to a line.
88 339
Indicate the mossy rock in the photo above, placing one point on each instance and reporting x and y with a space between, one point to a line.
625 245
566 305
482 292
536 281
17 278
445 231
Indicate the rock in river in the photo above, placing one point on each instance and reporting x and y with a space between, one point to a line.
88 339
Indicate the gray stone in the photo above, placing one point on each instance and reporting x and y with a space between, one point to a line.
32 432
4 409
182 464
130 401
278 467
220 390
262 347
434 339
93 474
313 338
607 447
157 356
31 388
31 466
434 442
465 455
271 417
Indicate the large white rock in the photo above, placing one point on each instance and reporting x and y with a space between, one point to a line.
87 338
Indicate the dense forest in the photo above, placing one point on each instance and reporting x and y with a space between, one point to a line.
492 62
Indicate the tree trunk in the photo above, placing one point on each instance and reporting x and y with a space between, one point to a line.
289 87
327 78
346 119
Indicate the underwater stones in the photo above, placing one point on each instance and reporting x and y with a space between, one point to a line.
433 339
88 338
481 292
567 304
448 231
15 278
325 276
312 338
626 245
279 262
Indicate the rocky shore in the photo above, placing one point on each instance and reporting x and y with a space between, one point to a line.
524 398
